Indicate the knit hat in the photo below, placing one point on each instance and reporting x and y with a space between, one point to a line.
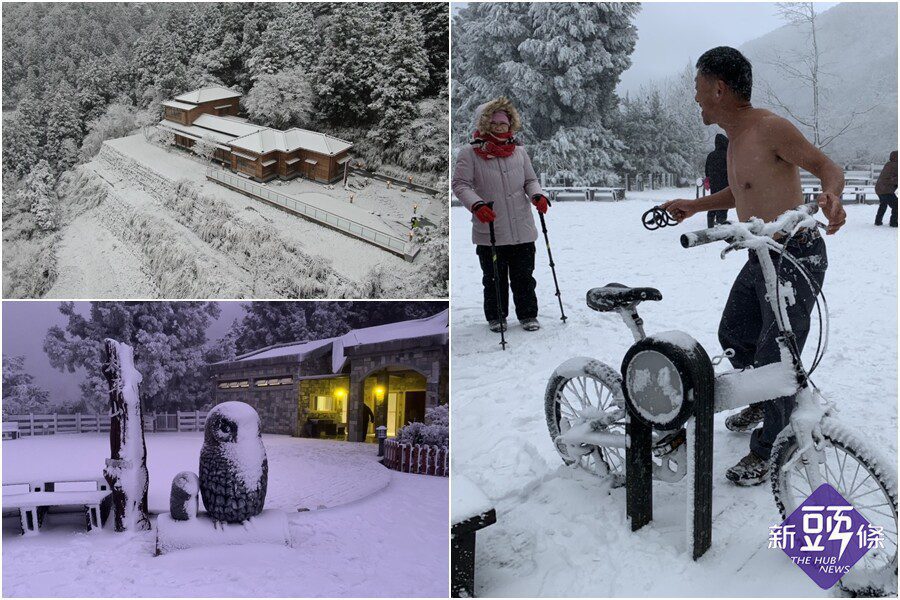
500 117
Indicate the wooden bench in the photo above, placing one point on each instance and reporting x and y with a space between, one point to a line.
33 501
471 512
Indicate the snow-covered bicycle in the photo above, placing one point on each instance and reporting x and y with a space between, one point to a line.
588 404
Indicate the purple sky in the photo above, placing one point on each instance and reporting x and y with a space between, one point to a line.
25 323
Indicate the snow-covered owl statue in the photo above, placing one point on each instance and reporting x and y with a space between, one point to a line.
183 498
234 471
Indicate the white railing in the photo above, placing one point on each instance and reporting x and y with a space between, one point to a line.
50 424
338 222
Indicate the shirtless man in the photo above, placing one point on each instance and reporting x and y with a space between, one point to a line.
763 157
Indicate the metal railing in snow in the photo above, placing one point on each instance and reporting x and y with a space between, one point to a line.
51 424
340 223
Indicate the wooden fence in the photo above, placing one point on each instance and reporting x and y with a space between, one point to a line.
424 460
32 424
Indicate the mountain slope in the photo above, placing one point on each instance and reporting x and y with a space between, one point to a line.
858 44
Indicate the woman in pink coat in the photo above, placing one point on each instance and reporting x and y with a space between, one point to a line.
494 168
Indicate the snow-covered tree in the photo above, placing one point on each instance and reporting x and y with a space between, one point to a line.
24 136
205 148
399 82
559 62
285 41
169 339
118 120
435 250
280 100
38 193
21 395
348 62
423 143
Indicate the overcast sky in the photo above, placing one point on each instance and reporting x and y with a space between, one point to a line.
25 325
671 34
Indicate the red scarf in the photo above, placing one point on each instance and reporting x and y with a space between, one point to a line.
495 145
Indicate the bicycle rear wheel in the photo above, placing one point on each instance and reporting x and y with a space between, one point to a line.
580 391
863 479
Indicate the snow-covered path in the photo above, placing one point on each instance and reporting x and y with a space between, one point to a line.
560 532
383 533
93 263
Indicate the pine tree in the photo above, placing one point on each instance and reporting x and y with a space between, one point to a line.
169 339
21 395
400 81
38 193
24 136
348 62
559 63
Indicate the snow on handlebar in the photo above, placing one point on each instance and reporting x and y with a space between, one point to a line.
787 223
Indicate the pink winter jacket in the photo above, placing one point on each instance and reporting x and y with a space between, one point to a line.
507 182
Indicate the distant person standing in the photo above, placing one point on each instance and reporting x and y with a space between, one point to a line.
717 175
494 179
886 188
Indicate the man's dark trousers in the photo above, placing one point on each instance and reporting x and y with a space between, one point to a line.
885 201
714 217
515 263
748 324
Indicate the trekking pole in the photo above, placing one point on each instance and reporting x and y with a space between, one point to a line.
497 280
552 265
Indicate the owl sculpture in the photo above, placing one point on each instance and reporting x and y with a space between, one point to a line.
183 498
234 471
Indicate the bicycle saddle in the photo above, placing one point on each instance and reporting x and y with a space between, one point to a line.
615 295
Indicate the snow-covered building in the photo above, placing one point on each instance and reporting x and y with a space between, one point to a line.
258 152
320 387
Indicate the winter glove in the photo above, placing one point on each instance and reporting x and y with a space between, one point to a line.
540 201
483 212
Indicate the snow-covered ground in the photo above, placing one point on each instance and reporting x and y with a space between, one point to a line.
561 532
369 531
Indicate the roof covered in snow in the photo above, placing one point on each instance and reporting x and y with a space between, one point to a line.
207 95
270 140
418 328
179 105
231 127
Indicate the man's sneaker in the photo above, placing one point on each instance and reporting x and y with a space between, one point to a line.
530 324
750 470
497 325
747 419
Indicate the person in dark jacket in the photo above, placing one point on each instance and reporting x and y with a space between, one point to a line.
886 188
717 174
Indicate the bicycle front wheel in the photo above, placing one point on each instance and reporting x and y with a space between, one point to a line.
862 478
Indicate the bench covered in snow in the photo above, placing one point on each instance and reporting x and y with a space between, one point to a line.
32 501
10 431
470 511
590 192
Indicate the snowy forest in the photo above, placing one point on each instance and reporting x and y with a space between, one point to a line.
172 347
76 74
560 64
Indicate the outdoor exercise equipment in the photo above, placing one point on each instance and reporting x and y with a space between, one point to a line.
657 410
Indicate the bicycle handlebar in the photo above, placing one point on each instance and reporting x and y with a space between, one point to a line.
784 224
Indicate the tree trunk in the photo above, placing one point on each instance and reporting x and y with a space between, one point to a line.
126 468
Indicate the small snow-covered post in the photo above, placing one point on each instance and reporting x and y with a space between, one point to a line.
126 468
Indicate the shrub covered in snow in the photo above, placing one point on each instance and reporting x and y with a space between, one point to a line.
20 394
434 432
117 121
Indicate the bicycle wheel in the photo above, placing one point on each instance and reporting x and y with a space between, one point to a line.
584 390
864 480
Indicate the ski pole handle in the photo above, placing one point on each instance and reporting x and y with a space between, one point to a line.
491 224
